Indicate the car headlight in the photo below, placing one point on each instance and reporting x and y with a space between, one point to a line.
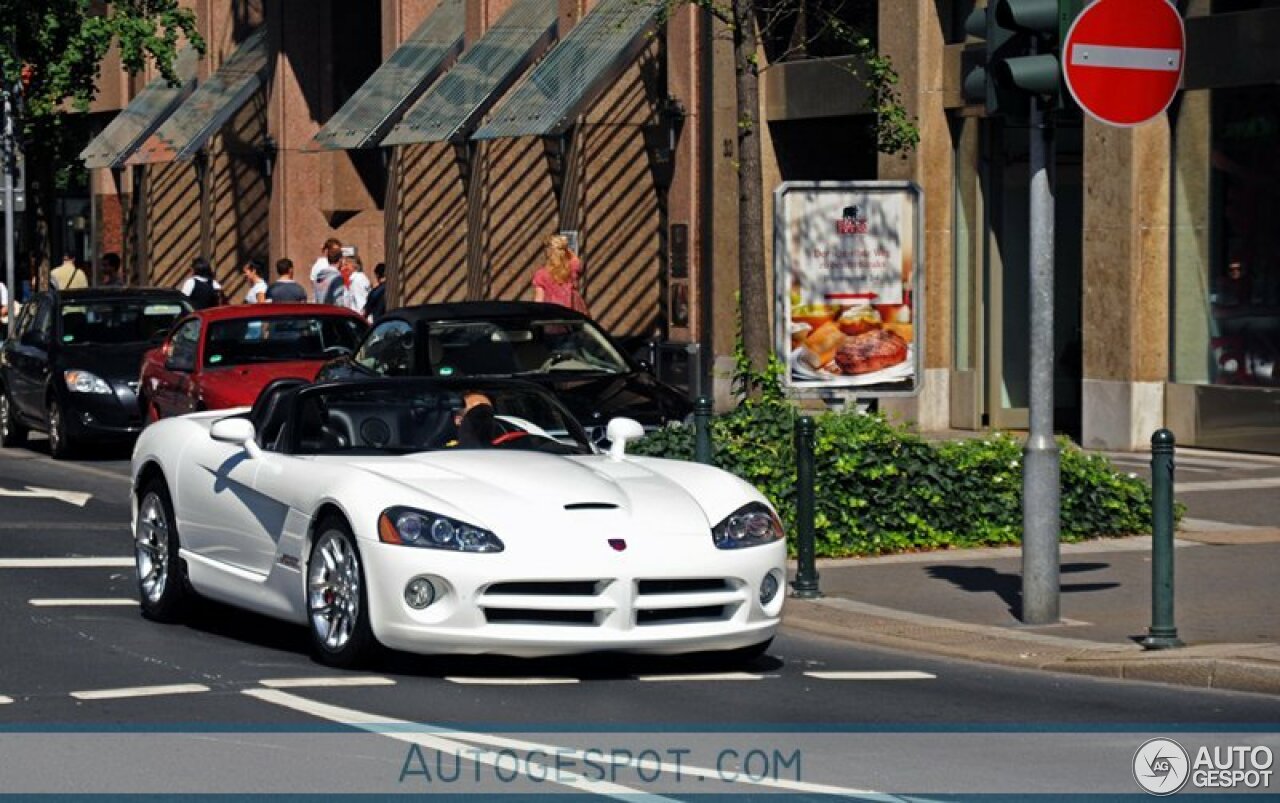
749 525
405 525
85 382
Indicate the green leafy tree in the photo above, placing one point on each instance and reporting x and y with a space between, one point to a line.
51 52
803 27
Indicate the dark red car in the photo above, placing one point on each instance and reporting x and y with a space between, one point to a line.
222 357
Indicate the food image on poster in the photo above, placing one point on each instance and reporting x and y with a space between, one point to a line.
844 255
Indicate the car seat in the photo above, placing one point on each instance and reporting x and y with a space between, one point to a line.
271 409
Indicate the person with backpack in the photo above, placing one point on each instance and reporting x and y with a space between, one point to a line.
201 288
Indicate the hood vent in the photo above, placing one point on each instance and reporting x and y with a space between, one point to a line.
591 506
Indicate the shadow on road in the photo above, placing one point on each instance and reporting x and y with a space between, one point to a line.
1008 587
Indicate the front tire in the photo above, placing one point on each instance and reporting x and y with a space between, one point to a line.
162 583
60 446
337 602
12 433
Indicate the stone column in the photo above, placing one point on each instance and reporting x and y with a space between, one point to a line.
911 34
1125 310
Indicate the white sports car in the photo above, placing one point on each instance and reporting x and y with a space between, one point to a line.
450 516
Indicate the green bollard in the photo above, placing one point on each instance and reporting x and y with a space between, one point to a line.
805 586
702 430
1162 634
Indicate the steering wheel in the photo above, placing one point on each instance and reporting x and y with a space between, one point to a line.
336 351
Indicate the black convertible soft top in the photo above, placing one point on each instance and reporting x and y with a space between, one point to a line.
468 310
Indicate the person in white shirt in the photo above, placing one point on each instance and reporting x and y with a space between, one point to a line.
200 287
4 306
257 292
357 284
325 269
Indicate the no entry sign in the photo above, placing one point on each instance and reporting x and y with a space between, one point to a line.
1123 59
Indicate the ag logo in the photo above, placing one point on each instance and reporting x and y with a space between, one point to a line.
1161 766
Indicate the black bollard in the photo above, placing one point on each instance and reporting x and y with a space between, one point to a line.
702 430
1162 634
805 585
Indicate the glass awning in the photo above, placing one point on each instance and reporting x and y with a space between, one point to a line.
144 114
377 105
213 103
452 107
576 71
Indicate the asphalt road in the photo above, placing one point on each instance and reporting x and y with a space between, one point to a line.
75 646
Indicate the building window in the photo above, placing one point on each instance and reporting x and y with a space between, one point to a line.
816 29
1227 247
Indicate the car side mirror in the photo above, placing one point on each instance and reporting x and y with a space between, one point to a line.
238 431
619 431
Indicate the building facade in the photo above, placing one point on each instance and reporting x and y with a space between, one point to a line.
447 138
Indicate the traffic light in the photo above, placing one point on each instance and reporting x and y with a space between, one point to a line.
1020 58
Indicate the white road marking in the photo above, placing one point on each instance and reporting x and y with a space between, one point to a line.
331 682
81 602
470 681
66 563
707 676
32 492
139 691
907 675
5 700
1226 485
427 736
1158 59
431 737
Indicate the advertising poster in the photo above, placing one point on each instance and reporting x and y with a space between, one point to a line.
848 287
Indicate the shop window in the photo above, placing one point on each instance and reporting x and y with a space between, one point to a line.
1227 245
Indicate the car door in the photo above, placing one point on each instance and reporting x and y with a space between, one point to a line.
172 389
217 508
9 354
30 360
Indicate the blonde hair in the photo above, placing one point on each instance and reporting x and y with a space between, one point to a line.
558 257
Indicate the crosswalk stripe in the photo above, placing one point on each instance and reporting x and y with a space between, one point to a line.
84 602
66 563
330 682
695 677
139 691
905 675
473 681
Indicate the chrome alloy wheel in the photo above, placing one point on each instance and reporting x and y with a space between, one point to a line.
333 590
151 545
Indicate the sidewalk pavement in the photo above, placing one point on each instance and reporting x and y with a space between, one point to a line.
965 603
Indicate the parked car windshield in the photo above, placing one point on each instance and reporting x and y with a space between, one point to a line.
403 416
521 347
305 337
118 321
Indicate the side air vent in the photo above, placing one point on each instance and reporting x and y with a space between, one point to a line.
591 506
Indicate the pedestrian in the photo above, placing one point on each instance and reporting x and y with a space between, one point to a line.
284 290
111 275
557 281
68 275
376 306
4 307
257 292
354 283
325 270
200 287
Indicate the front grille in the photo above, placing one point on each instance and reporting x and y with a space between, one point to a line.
666 616
560 588
526 616
681 586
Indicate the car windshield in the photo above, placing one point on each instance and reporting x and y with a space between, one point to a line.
118 321
278 339
521 347
404 416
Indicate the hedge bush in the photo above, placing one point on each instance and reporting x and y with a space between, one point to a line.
881 488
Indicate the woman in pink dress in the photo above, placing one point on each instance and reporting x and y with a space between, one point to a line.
556 282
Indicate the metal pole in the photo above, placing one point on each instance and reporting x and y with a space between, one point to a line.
805 585
1040 475
9 256
1162 634
702 430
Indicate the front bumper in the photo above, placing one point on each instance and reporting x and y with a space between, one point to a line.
104 416
655 600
